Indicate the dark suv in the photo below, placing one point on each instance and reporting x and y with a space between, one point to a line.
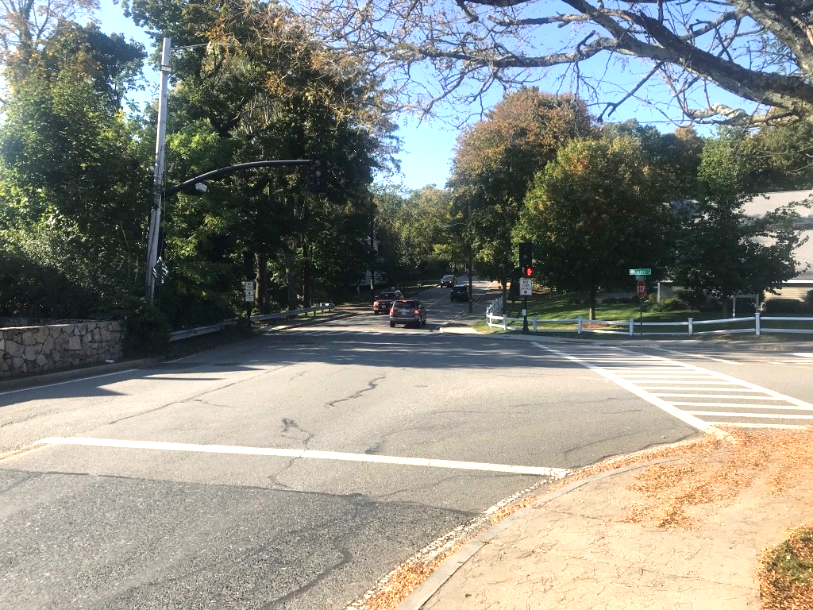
460 292
408 311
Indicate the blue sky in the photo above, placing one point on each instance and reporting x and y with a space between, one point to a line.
428 147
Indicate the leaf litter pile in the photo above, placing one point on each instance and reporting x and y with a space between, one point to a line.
684 476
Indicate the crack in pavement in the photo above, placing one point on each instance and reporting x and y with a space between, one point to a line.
371 385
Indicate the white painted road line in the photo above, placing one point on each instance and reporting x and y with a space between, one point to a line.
306 454
661 380
53 385
740 405
703 356
778 426
691 420
757 415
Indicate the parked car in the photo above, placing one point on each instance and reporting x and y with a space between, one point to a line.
447 281
460 292
383 302
407 311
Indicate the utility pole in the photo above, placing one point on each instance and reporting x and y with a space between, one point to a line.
372 251
158 183
469 262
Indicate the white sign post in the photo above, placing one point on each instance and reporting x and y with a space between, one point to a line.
249 292
525 288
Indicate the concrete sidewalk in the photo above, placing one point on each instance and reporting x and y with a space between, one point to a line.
685 531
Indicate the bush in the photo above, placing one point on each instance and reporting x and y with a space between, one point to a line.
809 301
671 305
777 306
146 328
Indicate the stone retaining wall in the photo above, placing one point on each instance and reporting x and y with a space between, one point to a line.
38 349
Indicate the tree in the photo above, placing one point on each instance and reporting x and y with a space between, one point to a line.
71 172
495 162
674 157
594 213
257 85
718 249
761 52
27 25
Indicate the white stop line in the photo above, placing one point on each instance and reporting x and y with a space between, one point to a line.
306 454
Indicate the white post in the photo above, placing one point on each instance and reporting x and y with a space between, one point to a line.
734 306
659 292
632 327
691 326
579 327
534 321
757 323
158 181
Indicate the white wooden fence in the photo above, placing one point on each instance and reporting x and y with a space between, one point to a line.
755 324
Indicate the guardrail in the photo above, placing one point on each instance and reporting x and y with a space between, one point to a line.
634 327
188 333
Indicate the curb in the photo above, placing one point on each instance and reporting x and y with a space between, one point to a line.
33 381
71 374
427 589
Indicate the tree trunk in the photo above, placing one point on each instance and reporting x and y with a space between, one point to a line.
262 281
306 276
290 268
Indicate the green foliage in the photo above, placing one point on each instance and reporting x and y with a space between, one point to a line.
495 163
698 300
673 304
718 249
674 157
147 328
70 177
786 151
594 213
265 88
30 287
780 306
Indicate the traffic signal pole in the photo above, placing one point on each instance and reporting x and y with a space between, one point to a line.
526 265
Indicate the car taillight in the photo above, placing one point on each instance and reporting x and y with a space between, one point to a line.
417 311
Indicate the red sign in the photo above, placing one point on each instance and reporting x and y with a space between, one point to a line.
641 288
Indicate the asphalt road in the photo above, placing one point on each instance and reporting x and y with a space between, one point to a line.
294 469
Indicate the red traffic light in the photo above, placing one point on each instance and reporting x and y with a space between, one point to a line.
529 271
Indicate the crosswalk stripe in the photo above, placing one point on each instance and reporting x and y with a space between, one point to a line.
661 381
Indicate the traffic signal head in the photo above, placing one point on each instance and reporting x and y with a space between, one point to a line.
317 175
529 271
525 254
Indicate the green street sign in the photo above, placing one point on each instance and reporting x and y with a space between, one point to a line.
640 271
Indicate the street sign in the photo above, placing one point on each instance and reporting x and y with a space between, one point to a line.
641 289
249 292
525 287
640 272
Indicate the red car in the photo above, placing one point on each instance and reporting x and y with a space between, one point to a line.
383 302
